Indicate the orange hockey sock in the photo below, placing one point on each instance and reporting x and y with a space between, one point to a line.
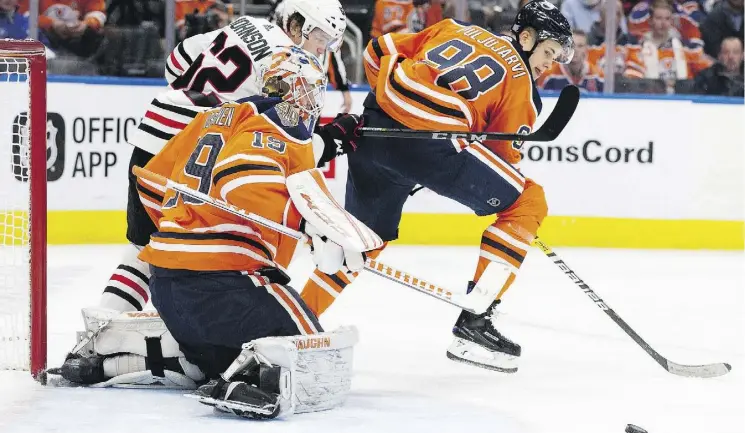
507 240
321 290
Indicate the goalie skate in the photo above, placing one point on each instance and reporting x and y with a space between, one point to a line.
238 398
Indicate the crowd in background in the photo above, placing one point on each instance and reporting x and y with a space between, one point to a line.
661 46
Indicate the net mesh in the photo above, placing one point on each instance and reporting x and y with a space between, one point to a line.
15 198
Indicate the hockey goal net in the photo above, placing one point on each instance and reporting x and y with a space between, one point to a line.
23 171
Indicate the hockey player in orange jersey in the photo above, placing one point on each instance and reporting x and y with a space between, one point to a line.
456 77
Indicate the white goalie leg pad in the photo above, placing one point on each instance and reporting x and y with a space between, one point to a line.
126 339
322 374
312 198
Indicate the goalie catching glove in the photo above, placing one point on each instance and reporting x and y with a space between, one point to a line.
338 238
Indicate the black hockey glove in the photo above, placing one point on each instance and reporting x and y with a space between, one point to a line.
340 136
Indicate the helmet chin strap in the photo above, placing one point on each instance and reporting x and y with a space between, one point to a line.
529 52
536 41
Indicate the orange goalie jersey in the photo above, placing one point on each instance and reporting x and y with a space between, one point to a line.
455 77
237 153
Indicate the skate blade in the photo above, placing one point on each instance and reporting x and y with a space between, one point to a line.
231 407
472 354
480 365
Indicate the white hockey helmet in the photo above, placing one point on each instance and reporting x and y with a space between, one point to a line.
298 78
326 15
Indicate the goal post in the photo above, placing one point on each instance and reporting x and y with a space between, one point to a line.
23 206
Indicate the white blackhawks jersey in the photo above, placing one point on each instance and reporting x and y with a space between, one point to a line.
206 70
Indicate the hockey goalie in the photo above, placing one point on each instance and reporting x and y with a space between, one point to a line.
227 323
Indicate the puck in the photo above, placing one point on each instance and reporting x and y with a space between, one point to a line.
631 428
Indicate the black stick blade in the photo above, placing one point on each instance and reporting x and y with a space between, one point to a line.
551 128
559 117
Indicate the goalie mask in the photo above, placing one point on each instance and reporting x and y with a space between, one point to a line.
297 77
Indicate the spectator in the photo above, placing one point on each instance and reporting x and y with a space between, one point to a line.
133 13
725 78
686 13
725 20
132 36
596 42
399 16
457 9
13 25
433 11
596 35
497 15
581 13
579 71
664 54
194 17
72 26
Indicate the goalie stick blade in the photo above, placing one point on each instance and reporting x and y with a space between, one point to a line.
549 131
702 371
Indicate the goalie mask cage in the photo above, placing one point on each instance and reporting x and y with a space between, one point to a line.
23 206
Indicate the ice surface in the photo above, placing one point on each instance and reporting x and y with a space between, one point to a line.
579 373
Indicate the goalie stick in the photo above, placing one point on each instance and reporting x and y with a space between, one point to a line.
549 131
708 370
476 301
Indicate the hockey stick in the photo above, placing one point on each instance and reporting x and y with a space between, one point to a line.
708 370
476 301
549 131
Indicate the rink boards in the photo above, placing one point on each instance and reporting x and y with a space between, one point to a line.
629 173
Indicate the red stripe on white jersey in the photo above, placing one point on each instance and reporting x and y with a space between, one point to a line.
175 62
164 120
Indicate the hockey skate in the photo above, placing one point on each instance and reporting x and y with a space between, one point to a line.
477 342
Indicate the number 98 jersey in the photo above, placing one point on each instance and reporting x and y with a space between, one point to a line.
455 77
206 70
238 153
